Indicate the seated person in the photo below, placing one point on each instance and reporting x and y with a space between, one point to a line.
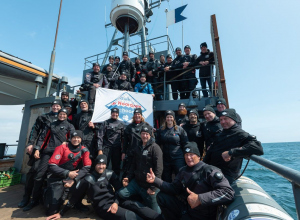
100 187
147 155
222 105
196 191
231 145
123 84
112 76
143 86
63 171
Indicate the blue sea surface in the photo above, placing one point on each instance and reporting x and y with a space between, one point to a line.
287 154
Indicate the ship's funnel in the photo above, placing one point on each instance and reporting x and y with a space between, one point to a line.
127 13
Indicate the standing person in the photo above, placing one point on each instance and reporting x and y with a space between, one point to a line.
143 86
222 105
101 187
70 111
51 137
123 84
169 75
206 59
111 62
172 139
92 81
175 67
128 67
112 76
182 117
65 102
211 127
139 69
160 77
132 138
63 171
231 145
82 121
146 156
39 126
151 66
189 78
110 138
196 191
193 129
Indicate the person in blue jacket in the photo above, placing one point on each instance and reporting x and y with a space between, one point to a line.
143 86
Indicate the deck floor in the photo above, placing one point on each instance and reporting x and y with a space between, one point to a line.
11 196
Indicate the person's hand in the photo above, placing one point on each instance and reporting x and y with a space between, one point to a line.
78 91
37 154
201 63
123 156
100 152
206 62
153 95
73 174
68 183
91 125
226 156
167 68
150 176
125 182
113 208
53 217
29 149
154 129
150 192
193 199
181 124
150 73
96 85
133 80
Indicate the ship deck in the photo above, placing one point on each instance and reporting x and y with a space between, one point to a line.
12 195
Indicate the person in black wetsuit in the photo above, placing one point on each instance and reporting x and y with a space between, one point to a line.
189 78
231 145
51 137
39 126
101 188
132 138
182 117
92 81
147 155
111 62
112 76
206 59
82 121
128 67
65 102
222 105
110 138
64 173
123 84
211 127
193 129
196 191
172 139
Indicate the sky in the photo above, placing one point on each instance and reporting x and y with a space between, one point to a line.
259 44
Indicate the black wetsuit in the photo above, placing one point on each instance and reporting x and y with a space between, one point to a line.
194 134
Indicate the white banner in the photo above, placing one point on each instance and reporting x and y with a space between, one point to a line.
125 101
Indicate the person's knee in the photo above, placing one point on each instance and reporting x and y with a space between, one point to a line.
123 193
130 215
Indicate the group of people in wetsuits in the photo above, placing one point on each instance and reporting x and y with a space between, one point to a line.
183 170
147 75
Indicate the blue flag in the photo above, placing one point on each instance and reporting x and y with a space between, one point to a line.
175 16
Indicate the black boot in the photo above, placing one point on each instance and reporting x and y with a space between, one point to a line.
24 202
30 206
79 206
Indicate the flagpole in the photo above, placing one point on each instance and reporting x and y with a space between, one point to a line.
166 20
182 25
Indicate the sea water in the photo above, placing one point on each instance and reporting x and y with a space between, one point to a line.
286 154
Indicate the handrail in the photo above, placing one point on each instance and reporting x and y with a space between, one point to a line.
293 176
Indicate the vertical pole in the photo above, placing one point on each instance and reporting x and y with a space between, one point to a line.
143 39
52 60
126 37
165 86
36 91
182 26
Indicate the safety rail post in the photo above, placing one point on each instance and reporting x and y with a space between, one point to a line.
290 174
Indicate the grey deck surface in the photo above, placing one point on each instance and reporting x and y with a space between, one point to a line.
11 196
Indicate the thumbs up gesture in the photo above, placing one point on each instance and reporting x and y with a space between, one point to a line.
193 199
150 176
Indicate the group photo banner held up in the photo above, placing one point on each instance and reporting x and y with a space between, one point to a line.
125 101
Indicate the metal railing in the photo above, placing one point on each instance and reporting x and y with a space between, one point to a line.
293 176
